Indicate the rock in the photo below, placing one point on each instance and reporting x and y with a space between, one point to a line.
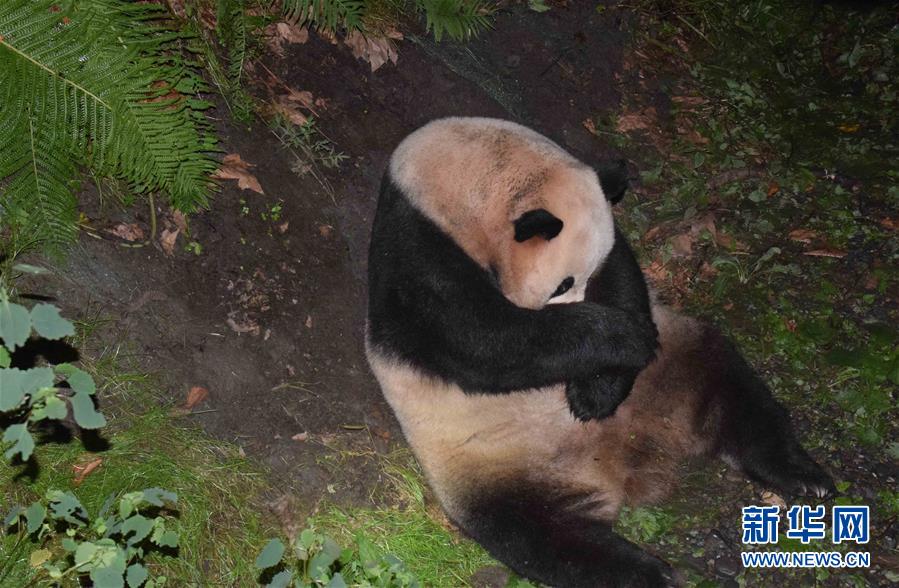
490 577
727 565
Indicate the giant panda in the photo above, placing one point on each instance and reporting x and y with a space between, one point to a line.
511 331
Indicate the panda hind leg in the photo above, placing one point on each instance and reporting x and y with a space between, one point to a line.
558 542
756 433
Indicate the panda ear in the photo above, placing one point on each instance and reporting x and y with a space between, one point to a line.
613 179
537 222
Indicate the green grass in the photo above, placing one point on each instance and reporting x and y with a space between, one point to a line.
408 529
219 514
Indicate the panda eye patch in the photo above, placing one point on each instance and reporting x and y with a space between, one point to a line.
565 286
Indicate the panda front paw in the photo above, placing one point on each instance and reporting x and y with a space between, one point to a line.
599 396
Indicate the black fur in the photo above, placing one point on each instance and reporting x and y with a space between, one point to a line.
613 179
620 283
754 428
432 305
537 222
554 539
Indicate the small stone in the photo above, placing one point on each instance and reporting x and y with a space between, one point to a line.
727 565
490 577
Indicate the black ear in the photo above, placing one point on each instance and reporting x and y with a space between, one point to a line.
613 179
537 222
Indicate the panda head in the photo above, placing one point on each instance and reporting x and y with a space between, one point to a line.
559 245
537 219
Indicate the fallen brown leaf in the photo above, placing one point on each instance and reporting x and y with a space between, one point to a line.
244 325
702 223
641 120
277 34
325 231
282 228
301 436
657 272
773 188
180 219
303 97
682 245
83 470
826 252
289 110
890 223
375 50
803 235
195 396
590 125
167 239
235 168
127 231
772 499
308 321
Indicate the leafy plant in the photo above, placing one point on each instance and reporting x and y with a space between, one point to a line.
326 14
101 83
108 548
315 560
29 397
458 19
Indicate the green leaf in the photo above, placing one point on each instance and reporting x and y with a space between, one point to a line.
136 575
12 388
538 5
281 580
322 560
271 555
893 450
15 384
49 324
108 577
166 539
26 268
79 380
34 516
23 443
139 525
84 412
159 497
336 582
5 359
84 553
65 506
53 408
15 324
13 516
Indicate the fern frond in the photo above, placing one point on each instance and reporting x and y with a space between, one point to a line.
232 30
460 19
97 83
40 195
326 14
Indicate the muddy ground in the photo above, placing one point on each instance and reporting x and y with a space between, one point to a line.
269 317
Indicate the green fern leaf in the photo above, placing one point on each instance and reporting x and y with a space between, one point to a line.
96 83
326 14
460 19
